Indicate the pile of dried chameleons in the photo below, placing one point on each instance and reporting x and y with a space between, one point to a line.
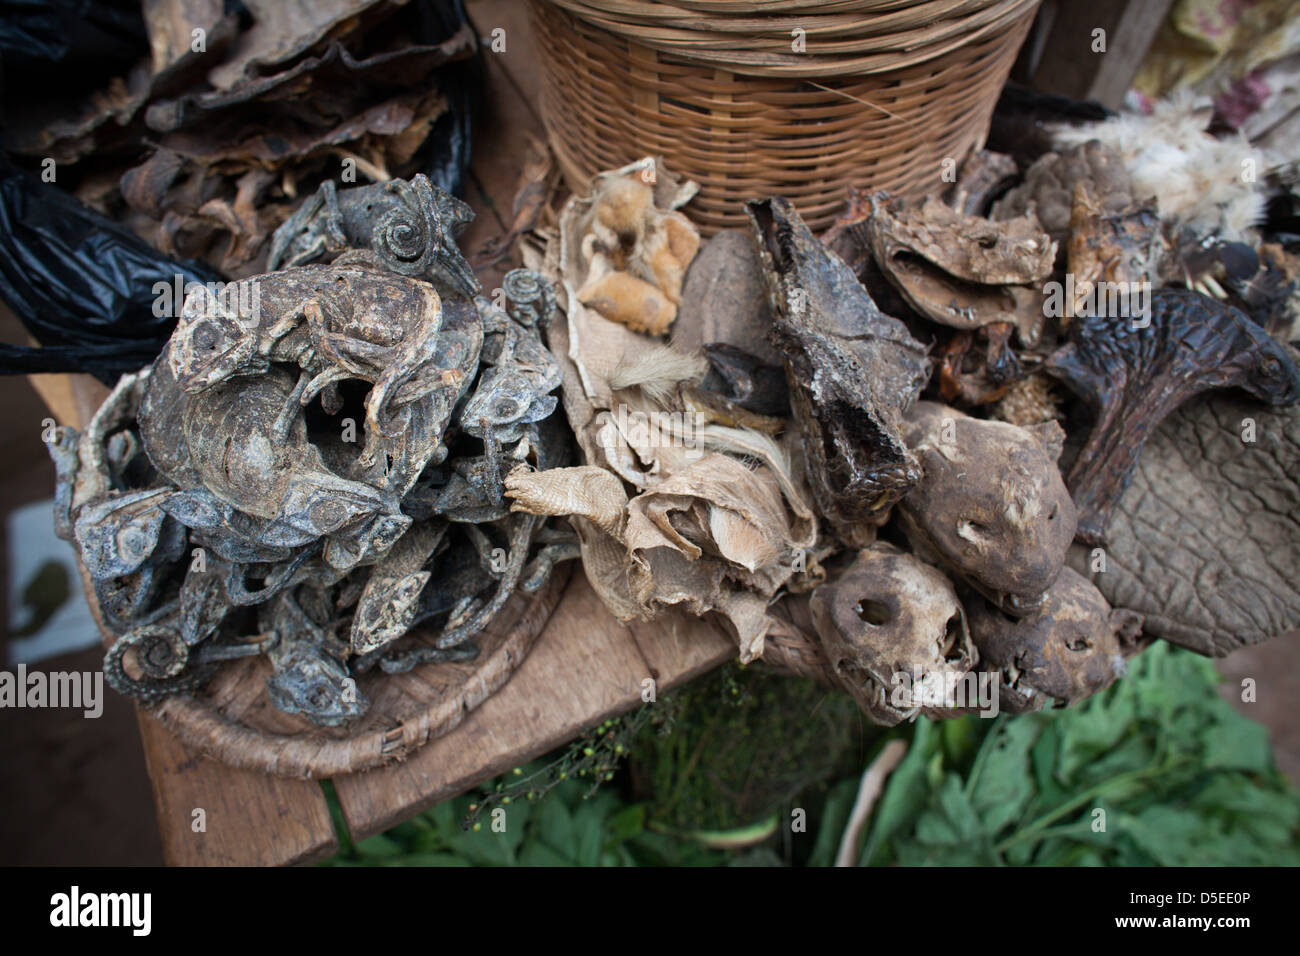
845 499
314 466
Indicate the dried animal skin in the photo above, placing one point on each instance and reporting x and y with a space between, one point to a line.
991 506
888 615
963 271
852 371
1049 186
1204 541
724 300
585 491
1133 370
1071 648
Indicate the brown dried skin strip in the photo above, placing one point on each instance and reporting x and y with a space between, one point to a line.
982 177
1133 377
891 614
1071 648
991 507
852 370
1206 541
962 271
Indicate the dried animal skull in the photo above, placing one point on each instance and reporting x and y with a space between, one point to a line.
1072 647
889 615
990 506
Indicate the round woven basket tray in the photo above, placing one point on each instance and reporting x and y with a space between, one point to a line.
232 720
887 94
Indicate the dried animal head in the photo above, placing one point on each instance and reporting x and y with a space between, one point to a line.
894 632
963 271
852 370
1070 648
991 505
411 226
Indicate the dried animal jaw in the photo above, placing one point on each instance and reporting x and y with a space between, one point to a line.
964 271
991 507
1072 647
890 614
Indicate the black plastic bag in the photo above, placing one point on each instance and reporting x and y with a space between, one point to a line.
83 285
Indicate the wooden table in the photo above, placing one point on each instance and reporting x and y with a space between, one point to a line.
584 668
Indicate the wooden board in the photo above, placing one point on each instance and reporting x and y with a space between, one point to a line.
585 667
1066 62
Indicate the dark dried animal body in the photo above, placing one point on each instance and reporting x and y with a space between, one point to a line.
852 370
1074 646
1133 370
312 473
411 226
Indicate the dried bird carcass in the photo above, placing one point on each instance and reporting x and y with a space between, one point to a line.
895 634
1133 369
678 502
852 371
1073 646
990 506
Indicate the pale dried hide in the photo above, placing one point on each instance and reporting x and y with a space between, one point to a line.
673 506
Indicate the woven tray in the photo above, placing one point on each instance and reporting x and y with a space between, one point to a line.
232 720
886 92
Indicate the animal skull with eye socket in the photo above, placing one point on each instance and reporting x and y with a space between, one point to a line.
895 633
991 507
1074 646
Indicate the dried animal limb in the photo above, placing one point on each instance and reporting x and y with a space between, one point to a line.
1133 370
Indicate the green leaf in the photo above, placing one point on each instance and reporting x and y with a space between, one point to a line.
624 825
379 846
835 817
1237 743
1005 785
554 826
537 853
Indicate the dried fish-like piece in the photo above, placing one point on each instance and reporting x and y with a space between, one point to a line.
1133 370
852 370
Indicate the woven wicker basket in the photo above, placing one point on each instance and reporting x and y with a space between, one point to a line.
885 92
